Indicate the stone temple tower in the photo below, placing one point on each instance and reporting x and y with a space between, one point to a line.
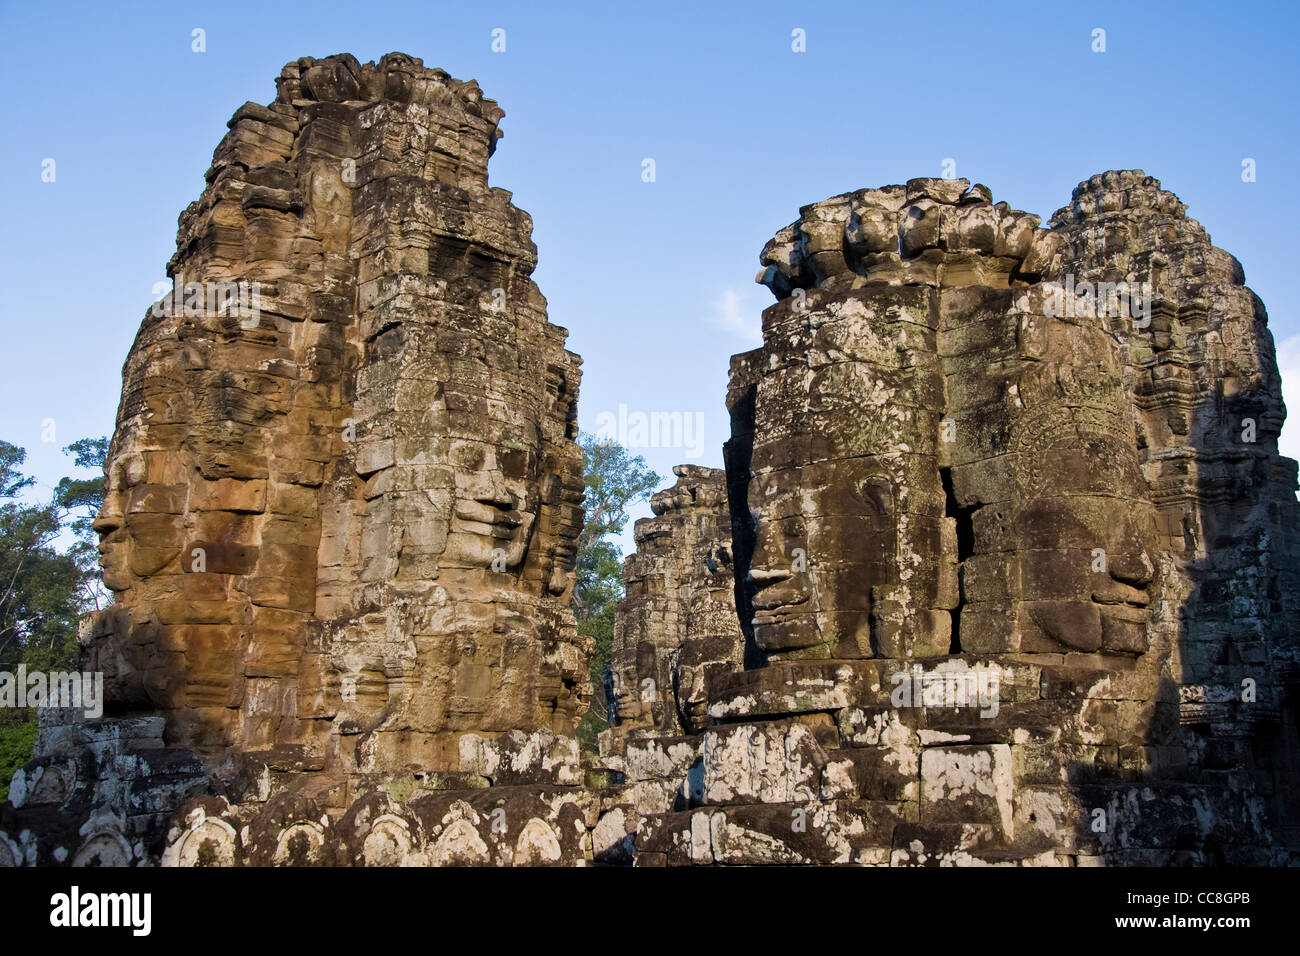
343 499
1015 554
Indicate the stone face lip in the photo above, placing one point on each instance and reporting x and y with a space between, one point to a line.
344 491
1003 567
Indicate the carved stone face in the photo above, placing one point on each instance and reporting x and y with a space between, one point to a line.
1029 528
636 686
826 535
844 495
495 505
1085 538
139 521
1082 523
116 539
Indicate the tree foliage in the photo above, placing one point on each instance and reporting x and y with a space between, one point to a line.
44 589
615 481
16 743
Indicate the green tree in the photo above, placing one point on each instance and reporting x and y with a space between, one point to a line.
16 743
615 481
79 500
39 602
44 590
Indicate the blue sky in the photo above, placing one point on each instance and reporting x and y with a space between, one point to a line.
653 280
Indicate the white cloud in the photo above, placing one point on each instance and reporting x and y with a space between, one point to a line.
741 315
1288 363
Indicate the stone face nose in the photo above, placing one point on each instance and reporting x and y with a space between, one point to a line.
488 484
1134 570
106 522
494 493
